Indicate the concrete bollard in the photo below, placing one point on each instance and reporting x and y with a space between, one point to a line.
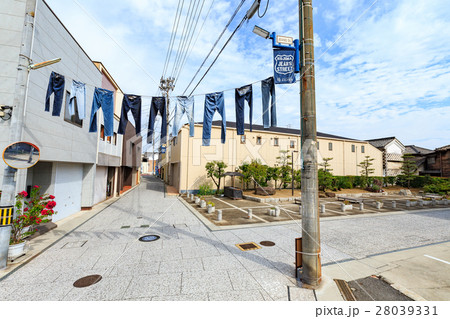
277 211
192 197
269 211
342 207
433 202
378 205
421 203
219 215
197 200
361 206
322 208
202 204
250 214
394 204
408 203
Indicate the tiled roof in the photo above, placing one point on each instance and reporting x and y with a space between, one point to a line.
285 130
381 142
443 148
417 150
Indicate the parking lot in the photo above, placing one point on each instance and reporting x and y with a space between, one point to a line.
235 212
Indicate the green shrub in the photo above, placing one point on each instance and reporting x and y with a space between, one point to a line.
439 186
205 189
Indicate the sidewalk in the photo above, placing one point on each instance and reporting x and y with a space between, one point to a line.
188 262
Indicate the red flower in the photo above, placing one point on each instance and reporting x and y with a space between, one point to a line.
40 197
51 197
25 209
35 186
24 194
50 204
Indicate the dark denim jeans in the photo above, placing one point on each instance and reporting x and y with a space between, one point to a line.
241 95
133 103
184 105
158 105
213 102
103 99
268 91
55 85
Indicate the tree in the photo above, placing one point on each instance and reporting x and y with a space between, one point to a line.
215 171
326 165
273 174
409 168
244 170
298 178
325 180
285 175
366 170
258 173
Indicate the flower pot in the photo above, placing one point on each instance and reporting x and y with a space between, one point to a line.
16 250
211 209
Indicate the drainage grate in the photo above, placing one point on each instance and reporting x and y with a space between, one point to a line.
267 243
87 281
125 227
149 238
248 246
345 290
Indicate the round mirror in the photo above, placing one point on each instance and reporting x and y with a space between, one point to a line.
21 155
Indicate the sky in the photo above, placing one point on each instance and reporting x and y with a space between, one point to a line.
382 67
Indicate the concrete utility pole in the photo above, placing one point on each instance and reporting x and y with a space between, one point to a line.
167 85
312 273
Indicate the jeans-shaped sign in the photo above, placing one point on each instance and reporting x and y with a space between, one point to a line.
284 66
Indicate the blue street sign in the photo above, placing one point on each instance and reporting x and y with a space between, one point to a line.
284 66
163 150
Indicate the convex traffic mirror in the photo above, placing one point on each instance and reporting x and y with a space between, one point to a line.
21 155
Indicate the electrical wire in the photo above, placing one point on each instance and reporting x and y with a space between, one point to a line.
220 52
173 36
213 47
267 6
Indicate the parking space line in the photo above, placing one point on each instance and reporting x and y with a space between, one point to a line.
263 220
445 262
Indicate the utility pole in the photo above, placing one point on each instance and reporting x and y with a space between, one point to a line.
167 85
311 272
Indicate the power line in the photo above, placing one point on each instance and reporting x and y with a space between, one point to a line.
173 35
217 41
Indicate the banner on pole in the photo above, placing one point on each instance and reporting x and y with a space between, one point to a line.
284 66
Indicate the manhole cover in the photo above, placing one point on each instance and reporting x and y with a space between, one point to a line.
267 243
148 238
87 281
247 246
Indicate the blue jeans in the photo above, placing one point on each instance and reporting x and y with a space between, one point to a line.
158 105
268 88
55 85
133 103
78 93
103 99
184 105
240 96
213 102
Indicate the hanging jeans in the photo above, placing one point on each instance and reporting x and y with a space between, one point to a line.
103 99
55 85
78 94
268 88
133 103
213 102
158 105
184 105
240 96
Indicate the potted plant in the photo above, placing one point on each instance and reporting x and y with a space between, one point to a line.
346 206
29 212
211 207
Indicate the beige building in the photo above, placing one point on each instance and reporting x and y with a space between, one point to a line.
188 157
393 151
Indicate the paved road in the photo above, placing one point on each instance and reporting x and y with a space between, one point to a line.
191 263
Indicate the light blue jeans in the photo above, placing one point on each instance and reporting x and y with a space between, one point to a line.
213 102
78 92
184 105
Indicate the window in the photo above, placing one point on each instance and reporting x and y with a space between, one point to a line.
74 119
292 144
431 160
363 150
102 133
317 144
258 140
275 141
242 139
115 139
353 148
330 146
108 139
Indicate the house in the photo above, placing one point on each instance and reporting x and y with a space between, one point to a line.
393 151
419 155
79 167
437 163
188 157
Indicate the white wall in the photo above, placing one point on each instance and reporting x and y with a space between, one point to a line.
68 185
101 175
394 148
